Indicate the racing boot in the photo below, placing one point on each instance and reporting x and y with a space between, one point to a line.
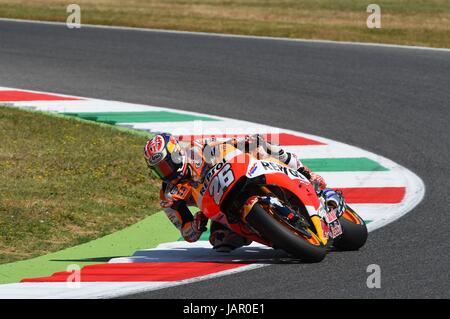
224 240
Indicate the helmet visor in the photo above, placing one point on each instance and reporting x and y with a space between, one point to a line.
167 169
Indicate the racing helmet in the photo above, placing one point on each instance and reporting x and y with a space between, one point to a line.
165 157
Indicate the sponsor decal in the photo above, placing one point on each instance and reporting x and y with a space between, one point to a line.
156 158
331 216
210 174
173 189
325 229
220 183
182 192
252 169
336 229
176 192
274 167
170 146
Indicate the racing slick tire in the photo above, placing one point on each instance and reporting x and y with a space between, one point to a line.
354 231
283 236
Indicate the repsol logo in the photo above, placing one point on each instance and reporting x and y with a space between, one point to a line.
209 175
270 166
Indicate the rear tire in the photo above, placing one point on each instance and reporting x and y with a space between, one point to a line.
354 233
283 237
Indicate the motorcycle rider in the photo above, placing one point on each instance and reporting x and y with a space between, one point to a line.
166 157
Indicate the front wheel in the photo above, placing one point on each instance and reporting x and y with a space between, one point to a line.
354 231
282 235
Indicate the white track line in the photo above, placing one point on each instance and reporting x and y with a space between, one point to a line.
227 35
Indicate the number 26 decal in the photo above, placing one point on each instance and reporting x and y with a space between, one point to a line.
220 183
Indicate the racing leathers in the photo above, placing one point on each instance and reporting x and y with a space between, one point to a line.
192 226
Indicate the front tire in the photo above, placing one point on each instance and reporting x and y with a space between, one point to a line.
283 236
354 231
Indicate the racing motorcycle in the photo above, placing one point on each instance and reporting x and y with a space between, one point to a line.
267 202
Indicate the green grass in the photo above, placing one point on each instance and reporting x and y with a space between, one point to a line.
145 234
411 22
67 181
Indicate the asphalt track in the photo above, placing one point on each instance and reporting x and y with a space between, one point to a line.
388 100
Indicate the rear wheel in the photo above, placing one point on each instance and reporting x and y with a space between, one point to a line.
354 231
284 236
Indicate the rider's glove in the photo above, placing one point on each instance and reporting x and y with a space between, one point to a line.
165 203
199 222
314 178
318 180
